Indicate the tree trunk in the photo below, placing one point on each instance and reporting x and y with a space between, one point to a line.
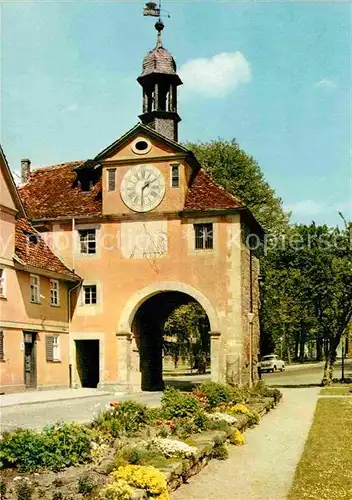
296 346
330 361
319 349
301 348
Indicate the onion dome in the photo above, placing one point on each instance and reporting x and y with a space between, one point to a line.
159 60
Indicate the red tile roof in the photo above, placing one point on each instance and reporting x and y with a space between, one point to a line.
54 191
204 194
33 251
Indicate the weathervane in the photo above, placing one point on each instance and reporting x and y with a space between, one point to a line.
153 10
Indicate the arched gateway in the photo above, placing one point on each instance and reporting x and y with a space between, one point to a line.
140 332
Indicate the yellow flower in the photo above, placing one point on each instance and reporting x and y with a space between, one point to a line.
118 490
237 438
144 477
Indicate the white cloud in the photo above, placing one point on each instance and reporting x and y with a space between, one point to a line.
326 84
216 76
307 207
310 208
72 108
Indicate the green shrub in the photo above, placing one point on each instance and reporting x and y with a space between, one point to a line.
126 418
218 425
3 489
86 484
220 451
58 482
176 404
154 414
216 393
138 454
260 389
24 489
56 447
57 496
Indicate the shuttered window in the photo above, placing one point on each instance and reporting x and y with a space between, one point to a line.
1 345
52 347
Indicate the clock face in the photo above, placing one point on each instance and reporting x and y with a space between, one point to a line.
142 188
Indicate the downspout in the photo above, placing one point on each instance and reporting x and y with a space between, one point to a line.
69 325
73 240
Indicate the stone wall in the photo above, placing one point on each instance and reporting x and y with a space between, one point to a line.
250 307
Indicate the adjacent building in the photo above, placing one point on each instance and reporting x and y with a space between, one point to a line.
34 300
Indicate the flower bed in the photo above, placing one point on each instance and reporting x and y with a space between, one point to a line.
129 450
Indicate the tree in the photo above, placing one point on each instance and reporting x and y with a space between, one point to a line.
188 327
240 174
308 290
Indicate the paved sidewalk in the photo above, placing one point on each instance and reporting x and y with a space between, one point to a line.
264 467
31 397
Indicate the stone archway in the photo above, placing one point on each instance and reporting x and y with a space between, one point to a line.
129 365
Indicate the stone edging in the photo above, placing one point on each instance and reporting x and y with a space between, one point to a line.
177 473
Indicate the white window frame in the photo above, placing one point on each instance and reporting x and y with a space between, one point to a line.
172 166
3 283
111 177
55 293
89 285
34 281
204 238
56 348
82 243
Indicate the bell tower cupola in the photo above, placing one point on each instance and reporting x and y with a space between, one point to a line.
159 82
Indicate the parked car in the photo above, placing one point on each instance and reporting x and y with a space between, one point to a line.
271 363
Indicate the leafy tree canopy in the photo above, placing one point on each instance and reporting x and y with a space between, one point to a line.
240 174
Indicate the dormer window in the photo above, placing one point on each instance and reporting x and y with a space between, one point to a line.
33 238
86 184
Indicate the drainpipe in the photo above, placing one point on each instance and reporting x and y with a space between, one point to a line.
69 325
73 241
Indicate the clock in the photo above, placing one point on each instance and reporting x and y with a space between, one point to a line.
142 188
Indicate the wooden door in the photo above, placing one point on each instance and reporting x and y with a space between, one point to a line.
30 363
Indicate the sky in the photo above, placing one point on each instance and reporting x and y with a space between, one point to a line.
273 75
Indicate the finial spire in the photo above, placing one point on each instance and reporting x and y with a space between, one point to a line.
159 26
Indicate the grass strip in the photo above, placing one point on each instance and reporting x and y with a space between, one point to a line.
324 471
336 391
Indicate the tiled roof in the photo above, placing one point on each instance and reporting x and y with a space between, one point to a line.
54 191
159 60
33 251
204 194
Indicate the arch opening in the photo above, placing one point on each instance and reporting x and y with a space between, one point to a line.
157 345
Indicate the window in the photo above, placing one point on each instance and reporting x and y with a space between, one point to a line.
89 294
111 179
2 282
54 292
52 347
175 176
87 241
203 236
35 289
1 345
